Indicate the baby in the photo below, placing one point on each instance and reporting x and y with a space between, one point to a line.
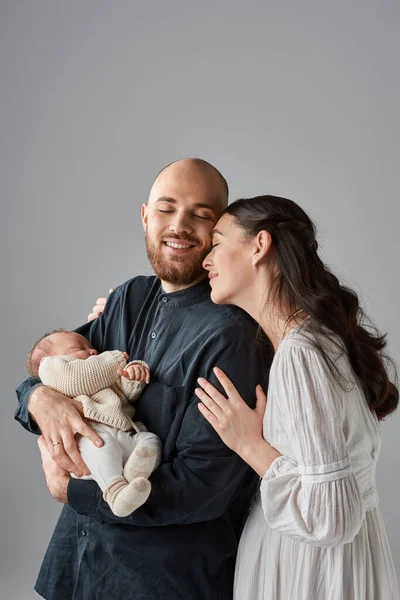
105 385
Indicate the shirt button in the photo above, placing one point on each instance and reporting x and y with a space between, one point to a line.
165 299
83 532
153 335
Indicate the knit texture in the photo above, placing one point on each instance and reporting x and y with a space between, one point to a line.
95 383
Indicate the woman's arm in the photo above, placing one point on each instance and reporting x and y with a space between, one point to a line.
312 495
239 427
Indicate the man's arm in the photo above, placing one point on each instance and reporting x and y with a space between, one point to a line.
56 416
202 480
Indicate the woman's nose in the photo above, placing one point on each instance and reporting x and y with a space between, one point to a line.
207 262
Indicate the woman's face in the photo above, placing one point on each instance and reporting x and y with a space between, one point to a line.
229 264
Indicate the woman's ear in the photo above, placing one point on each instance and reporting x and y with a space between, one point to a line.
262 245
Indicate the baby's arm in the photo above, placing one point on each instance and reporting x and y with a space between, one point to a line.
74 376
133 379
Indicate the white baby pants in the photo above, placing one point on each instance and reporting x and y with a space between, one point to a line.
106 463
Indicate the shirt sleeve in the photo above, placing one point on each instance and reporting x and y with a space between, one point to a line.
24 390
201 481
313 495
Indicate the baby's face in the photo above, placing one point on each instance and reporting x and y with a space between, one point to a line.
71 344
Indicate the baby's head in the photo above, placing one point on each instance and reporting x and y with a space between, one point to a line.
58 343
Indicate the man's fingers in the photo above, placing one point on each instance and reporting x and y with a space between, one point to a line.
44 451
62 459
71 449
90 434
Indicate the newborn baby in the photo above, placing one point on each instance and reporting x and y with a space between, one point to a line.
105 385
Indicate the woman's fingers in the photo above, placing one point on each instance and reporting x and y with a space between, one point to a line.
261 401
212 391
209 402
228 386
211 418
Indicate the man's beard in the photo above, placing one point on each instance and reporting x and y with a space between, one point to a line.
176 269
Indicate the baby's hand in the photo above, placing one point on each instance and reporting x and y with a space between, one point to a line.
136 373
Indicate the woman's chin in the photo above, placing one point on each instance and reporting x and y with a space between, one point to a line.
218 298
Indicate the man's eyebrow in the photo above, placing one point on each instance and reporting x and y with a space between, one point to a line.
196 205
216 231
166 199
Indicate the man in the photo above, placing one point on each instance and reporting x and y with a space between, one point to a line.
182 542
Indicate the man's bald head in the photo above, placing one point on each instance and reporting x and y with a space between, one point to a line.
195 173
186 200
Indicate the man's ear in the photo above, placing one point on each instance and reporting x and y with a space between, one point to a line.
262 245
145 215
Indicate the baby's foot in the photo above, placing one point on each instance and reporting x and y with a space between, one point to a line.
124 498
140 463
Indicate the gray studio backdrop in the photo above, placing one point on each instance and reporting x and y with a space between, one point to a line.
292 98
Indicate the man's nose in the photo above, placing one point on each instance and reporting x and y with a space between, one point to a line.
181 223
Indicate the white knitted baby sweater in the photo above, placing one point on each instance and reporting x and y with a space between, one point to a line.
95 383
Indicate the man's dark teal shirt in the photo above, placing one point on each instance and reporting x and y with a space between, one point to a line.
182 543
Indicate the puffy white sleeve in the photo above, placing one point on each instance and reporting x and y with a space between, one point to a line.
313 495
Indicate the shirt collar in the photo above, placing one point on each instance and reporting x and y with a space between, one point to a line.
188 296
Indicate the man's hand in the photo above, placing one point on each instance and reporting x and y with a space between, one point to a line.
59 418
56 478
98 308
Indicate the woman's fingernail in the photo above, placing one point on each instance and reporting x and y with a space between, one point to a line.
201 380
98 443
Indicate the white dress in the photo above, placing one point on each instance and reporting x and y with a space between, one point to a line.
315 531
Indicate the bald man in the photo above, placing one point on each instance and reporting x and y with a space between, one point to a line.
182 543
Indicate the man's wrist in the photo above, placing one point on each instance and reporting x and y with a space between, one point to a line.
33 400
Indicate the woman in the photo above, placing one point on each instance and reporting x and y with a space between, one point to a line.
315 531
